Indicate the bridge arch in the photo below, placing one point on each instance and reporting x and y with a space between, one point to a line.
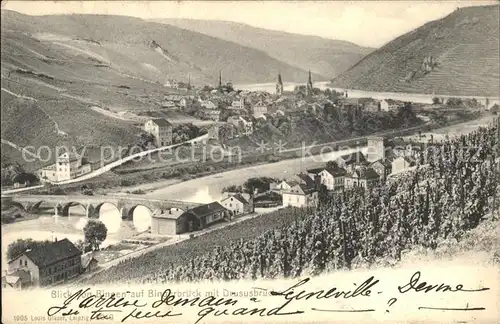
40 207
110 215
141 217
66 208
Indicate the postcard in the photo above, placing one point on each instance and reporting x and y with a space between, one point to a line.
250 162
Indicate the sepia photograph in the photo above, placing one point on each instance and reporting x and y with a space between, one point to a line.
250 161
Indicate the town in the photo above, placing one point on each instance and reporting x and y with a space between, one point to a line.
162 152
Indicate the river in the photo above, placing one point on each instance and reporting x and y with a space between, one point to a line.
353 93
203 190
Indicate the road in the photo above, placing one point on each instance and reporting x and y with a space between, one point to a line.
111 165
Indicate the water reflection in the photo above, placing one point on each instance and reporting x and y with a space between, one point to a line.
111 217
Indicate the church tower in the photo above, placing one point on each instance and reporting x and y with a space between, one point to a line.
309 86
279 86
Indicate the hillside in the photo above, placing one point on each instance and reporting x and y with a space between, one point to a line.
456 55
149 50
326 57
66 80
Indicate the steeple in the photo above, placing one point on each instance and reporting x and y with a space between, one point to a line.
220 79
309 85
279 85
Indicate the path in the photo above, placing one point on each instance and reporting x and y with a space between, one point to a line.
135 254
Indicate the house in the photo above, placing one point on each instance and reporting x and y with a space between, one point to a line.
212 114
306 179
351 161
369 104
68 166
300 196
361 177
208 104
213 132
184 102
161 129
400 164
89 263
168 104
259 109
389 105
244 126
171 222
237 204
49 264
175 98
18 279
284 185
333 178
207 214
313 173
383 167
238 104
171 83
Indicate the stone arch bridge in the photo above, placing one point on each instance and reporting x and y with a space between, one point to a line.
92 204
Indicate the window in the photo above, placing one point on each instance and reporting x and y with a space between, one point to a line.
21 263
25 263
230 205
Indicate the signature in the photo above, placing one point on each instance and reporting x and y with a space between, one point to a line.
171 305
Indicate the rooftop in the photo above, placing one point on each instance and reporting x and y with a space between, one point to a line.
162 122
52 253
207 209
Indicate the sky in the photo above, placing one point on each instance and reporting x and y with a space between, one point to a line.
366 23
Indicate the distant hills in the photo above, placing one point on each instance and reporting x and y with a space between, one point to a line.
456 55
325 57
55 71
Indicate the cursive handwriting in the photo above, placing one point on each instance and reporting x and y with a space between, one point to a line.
425 287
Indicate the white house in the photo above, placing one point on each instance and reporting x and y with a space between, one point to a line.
400 164
161 129
208 104
300 196
259 109
68 166
388 105
237 204
284 185
363 177
333 178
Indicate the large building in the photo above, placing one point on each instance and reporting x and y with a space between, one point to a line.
68 166
48 264
161 129
177 221
333 178
361 177
300 195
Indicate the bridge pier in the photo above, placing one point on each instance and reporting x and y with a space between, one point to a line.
90 211
58 210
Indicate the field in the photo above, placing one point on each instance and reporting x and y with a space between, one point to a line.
198 246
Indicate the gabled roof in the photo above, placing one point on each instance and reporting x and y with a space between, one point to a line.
315 170
172 213
355 157
336 172
301 189
87 259
307 179
238 197
162 122
207 209
368 174
52 253
385 162
18 275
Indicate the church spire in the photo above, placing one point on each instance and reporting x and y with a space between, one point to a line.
220 79
279 85
309 85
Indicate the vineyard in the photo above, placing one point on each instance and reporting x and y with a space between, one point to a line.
448 194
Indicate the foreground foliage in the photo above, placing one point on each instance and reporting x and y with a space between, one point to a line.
447 194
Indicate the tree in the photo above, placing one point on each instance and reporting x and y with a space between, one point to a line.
95 233
436 101
20 246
